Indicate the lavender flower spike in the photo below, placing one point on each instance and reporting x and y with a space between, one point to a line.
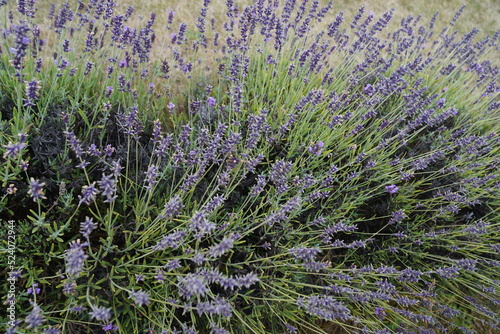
100 313
75 258
36 189
13 149
88 194
172 208
87 227
32 91
35 319
140 297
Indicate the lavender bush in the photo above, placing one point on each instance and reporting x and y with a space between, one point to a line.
305 182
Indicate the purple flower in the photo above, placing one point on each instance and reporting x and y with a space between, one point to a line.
87 227
108 187
397 216
467 264
304 253
214 203
255 127
69 288
160 275
391 189
36 189
199 258
51 330
34 290
214 329
448 272
171 106
279 175
200 225
211 101
25 7
88 194
131 122
440 103
66 47
151 177
173 264
369 90
109 327
20 48
13 149
316 148
88 68
219 306
172 208
74 142
325 307
140 297
259 186
224 246
77 308
247 280
15 274
35 319
100 313
94 151
192 285
409 275
379 312
291 329
65 15
32 91
172 240
109 150
75 258
109 91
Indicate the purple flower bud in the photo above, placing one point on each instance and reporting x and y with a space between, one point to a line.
391 189
32 91
369 90
100 313
13 149
109 150
35 319
192 285
440 103
380 313
316 148
172 208
109 327
151 177
211 101
36 189
88 194
87 227
75 258
279 175
140 297
172 240
34 290
224 246
326 307
200 225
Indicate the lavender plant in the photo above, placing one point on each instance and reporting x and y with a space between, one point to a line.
344 180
